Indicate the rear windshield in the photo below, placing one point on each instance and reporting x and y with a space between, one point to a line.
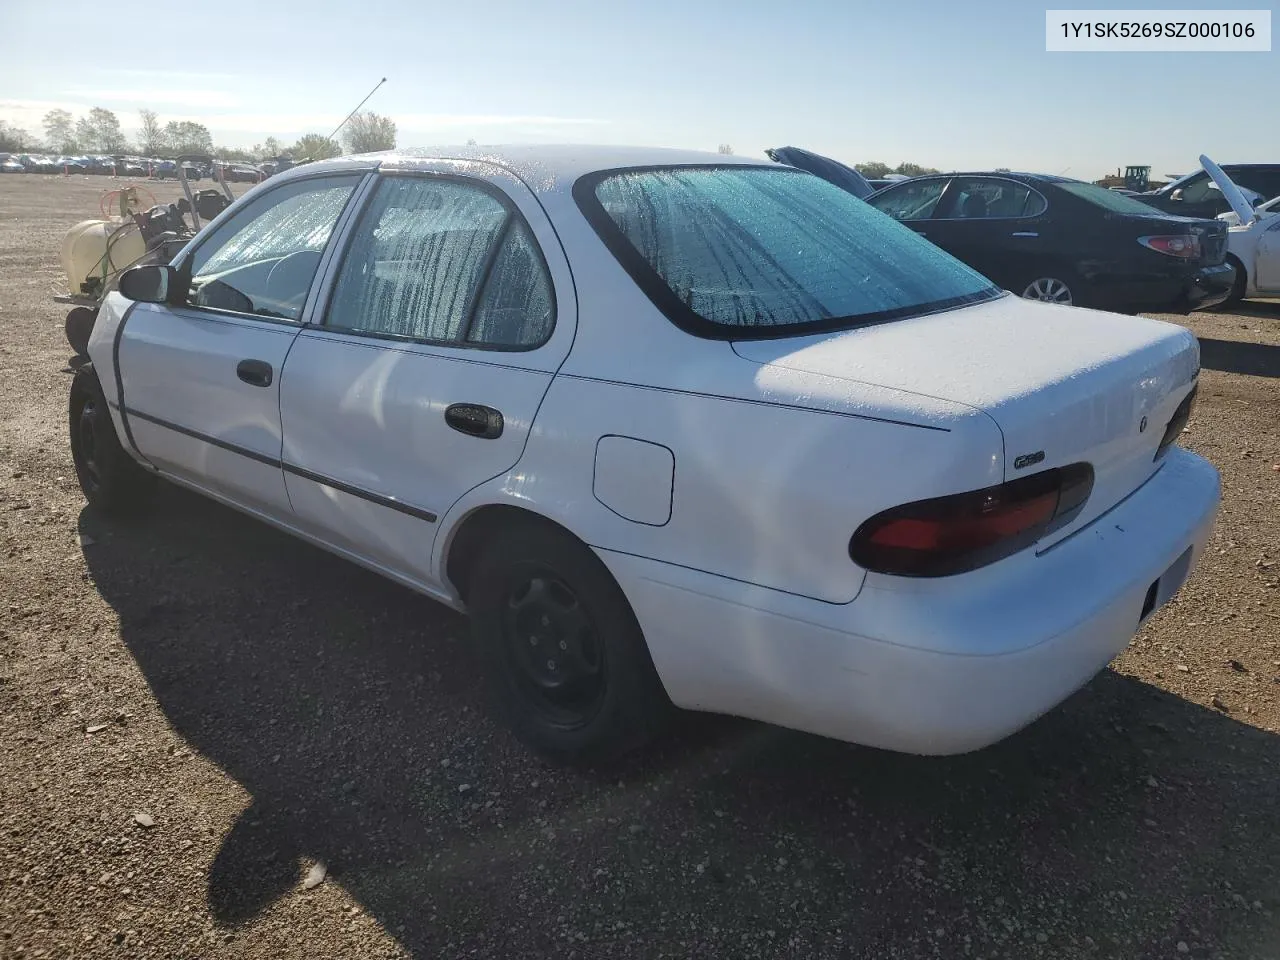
1111 200
746 252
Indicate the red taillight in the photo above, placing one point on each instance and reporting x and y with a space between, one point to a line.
949 535
1183 245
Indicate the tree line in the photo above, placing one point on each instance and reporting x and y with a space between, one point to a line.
99 132
875 170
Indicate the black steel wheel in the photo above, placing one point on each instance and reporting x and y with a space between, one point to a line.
554 651
111 480
567 662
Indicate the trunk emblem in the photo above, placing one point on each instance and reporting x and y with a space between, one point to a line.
1027 459
1142 425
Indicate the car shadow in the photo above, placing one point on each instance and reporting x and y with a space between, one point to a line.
352 713
1235 356
1261 309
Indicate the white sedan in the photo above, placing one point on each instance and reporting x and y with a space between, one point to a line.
1253 239
674 428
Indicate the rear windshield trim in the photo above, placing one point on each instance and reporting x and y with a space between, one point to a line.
689 320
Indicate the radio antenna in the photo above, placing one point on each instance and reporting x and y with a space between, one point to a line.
357 109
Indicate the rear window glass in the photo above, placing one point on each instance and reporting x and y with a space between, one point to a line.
1111 200
737 252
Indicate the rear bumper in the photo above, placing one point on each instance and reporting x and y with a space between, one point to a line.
928 666
1169 293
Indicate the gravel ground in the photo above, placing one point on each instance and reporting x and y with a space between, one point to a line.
195 711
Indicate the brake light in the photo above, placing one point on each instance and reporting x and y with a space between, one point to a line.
954 534
1183 245
1177 423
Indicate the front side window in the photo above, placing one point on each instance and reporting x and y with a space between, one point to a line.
1197 189
914 200
741 251
437 260
264 260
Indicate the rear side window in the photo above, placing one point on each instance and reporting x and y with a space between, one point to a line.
992 198
739 252
442 261
1111 200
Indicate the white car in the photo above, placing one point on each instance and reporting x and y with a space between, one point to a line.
675 428
1253 239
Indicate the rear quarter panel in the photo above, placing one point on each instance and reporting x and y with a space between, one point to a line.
764 493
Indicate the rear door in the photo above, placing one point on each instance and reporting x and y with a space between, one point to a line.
998 226
201 380
449 312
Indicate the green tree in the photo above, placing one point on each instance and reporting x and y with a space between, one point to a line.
59 131
368 131
315 146
873 170
187 136
151 136
13 139
913 169
100 131
235 154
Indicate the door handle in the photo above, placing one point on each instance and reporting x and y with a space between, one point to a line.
1025 233
475 420
256 373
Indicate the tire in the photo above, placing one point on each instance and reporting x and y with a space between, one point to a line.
1237 286
1052 286
535 592
112 481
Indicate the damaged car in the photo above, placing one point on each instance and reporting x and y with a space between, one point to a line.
674 428
1253 238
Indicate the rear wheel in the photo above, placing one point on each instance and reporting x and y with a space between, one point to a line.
112 481
566 659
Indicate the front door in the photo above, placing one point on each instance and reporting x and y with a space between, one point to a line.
201 378
1267 263
449 312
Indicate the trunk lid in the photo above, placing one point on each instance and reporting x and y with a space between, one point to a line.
1063 384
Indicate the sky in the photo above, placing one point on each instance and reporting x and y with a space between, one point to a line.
948 84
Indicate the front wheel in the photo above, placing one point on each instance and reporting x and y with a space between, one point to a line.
565 655
1238 285
1051 288
112 481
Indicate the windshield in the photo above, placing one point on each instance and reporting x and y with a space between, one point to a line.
740 252
1108 199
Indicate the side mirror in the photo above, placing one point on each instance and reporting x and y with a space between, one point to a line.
152 283
1176 195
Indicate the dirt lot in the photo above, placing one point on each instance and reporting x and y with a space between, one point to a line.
269 707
